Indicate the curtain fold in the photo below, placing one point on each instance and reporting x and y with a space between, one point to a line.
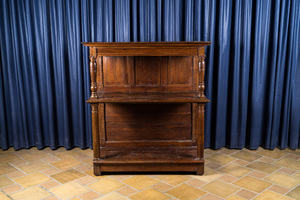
252 75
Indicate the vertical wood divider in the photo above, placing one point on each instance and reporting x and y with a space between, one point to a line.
95 131
200 131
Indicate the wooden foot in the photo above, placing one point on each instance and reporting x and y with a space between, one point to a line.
97 170
200 169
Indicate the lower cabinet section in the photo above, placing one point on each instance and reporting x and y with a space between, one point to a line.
148 137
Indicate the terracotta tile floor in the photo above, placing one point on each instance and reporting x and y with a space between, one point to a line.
229 174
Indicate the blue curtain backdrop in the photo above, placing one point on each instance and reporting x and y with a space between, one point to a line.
252 79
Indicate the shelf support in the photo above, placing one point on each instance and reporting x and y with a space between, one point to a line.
93 74
201 85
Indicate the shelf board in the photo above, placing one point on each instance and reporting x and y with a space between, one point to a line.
148 98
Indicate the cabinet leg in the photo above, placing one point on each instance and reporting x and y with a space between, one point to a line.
97 170
200 169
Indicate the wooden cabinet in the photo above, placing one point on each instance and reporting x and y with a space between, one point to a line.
147 102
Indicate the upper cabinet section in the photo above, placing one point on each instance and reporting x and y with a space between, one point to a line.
147 48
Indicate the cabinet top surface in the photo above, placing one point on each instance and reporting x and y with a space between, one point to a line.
146 44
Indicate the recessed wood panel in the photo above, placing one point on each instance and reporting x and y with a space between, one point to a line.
148 71
147 131
115 71
148 122
180 70
157 113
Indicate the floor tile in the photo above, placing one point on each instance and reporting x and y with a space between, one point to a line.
19 162
267 159
287 171
234 197
68 190
37 155
4 181
162 187
89 195
4 196
66 163
220 159
252 184
34 166
86 180
140 182
51 198
149 194
258 174
67 176
228 178
283 180
15 174
262 166
112 196
271 195
126 191
4 159
211 197
174 179
50 184
32 179
50 171
246 194
208 175
185 192
6 168
90 172
245 155
51 159
289 163
83 167
220 188
240 162
106 185
295 193
195 182
121 177
33 193
276 153
11 189
279 189
213 165
235 170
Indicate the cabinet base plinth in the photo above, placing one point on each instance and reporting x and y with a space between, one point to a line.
100 168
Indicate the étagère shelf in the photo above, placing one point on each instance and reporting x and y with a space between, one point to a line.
147 102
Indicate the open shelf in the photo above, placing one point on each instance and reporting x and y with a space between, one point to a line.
171 97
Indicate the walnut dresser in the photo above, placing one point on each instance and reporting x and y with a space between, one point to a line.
147 102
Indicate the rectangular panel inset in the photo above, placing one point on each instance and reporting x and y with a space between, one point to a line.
115 71
180 70
148 70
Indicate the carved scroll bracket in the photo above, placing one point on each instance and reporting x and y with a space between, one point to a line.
201 85
93 74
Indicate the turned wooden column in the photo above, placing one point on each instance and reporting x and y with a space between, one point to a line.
93 74
201 85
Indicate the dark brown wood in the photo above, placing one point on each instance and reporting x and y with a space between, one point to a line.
148 106
95 130
93 73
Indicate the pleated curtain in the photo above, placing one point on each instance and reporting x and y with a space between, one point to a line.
252 75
